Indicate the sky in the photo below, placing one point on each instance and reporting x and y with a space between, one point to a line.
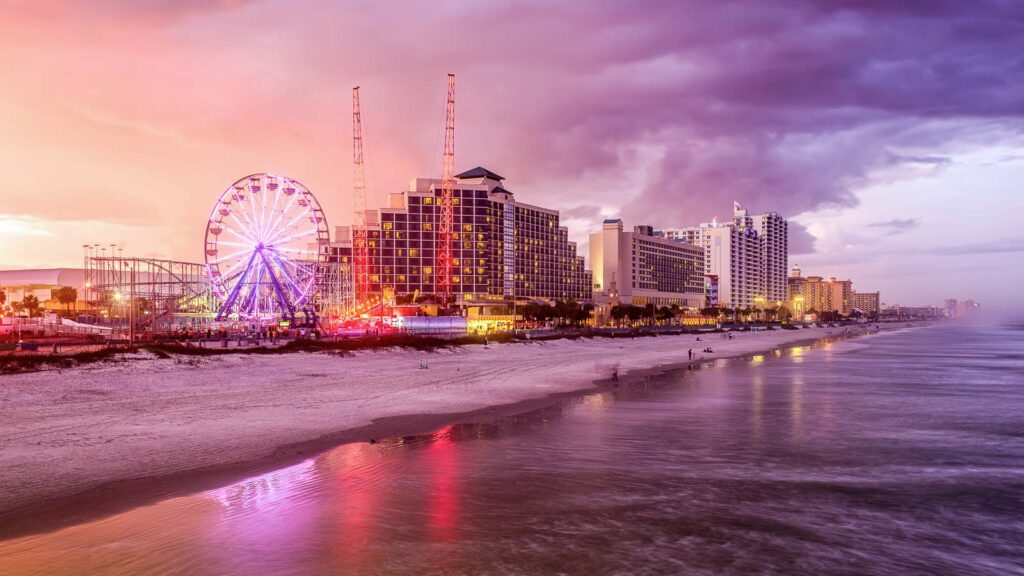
891 134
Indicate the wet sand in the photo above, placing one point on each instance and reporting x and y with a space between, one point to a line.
89 442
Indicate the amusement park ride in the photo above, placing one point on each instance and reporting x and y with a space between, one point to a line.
265 240
267 256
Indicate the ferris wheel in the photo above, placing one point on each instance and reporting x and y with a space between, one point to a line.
265 241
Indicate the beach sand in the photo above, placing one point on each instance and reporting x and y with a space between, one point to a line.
88 441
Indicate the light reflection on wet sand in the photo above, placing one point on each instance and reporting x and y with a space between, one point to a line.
799 460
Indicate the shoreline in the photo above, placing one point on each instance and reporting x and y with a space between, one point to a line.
68 503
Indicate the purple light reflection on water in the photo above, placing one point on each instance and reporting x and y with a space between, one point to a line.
887 455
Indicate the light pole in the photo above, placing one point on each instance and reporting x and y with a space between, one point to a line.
131 307
118 297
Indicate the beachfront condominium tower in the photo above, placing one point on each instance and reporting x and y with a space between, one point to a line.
748 256
501 248
641 268
867 303
732 255
814 293
774 232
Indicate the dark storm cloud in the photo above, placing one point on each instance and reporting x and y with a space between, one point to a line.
785 106
800 240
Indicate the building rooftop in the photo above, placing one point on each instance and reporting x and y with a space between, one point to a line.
479 172
43 277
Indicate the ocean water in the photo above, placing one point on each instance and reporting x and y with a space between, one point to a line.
900 453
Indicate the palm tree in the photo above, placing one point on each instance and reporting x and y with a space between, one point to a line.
665 314
634 313
585 313
31 303
66 295
618 313
725 312
649 311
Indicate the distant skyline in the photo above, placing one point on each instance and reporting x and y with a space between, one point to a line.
891 134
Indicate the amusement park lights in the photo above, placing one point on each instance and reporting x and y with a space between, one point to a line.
264 245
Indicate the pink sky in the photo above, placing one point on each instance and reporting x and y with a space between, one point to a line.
122 121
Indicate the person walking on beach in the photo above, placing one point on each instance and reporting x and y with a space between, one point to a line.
689 354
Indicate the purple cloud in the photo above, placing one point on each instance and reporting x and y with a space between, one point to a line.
663 111
897 225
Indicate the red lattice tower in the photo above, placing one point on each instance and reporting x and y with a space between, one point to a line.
361 251
444 229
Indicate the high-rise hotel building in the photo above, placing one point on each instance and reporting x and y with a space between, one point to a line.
748 256
501 249
808 293
642 268
774 233
868 303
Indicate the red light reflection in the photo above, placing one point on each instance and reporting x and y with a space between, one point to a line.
443 499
